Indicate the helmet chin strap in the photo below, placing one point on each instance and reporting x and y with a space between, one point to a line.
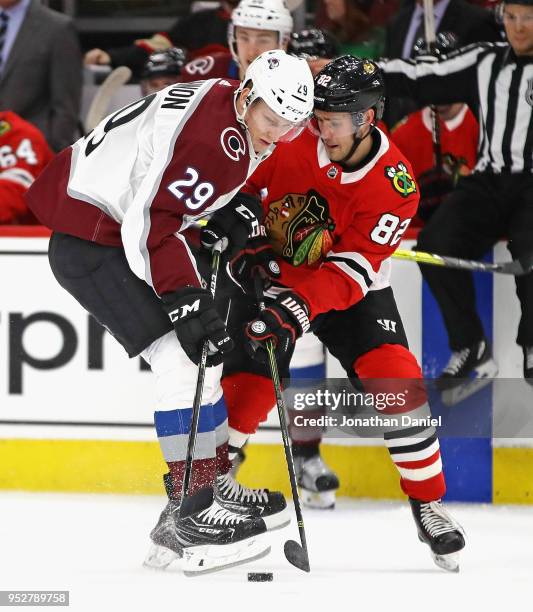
357 140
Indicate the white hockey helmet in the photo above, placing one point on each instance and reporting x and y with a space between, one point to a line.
284 83
270 15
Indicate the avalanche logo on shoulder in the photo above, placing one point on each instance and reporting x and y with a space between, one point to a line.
233 143
200 65
259 327
400 179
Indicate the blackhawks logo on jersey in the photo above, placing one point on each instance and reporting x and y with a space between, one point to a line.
300 228
5 126
400 179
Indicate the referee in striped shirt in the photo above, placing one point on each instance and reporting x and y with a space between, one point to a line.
496 200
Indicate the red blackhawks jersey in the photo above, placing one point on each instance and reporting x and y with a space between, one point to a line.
458 138
146 174
215 66
24 153
334 231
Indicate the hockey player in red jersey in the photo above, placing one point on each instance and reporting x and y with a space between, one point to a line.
438 165
255 27
338 202
24 153
123 203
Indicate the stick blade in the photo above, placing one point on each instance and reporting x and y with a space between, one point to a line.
100 104
296 555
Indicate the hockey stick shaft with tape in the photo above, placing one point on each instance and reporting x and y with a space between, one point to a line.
517 267
297 554
197 403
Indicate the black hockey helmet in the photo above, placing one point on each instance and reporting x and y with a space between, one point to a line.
313 43
350 84
444 43
167 62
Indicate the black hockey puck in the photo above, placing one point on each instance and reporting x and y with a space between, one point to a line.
260 576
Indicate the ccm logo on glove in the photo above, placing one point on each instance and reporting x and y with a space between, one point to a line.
184 310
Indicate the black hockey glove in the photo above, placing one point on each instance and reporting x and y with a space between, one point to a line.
284 321
195 319
233 224
256 258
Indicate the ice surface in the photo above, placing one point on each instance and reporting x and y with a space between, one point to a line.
364 556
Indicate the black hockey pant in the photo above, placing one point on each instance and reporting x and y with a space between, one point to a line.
483 209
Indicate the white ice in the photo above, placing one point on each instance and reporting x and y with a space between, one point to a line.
364 556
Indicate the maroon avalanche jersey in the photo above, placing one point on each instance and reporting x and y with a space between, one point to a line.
146 174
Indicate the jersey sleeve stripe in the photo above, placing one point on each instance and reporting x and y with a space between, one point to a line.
355 272
357 263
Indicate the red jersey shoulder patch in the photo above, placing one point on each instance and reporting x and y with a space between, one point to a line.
400 179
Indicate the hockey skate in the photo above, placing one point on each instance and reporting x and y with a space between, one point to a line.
466 373
268 505
440 532
317 482
207 536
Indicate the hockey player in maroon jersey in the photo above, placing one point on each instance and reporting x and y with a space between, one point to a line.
24 153
123 203
339 200
256 26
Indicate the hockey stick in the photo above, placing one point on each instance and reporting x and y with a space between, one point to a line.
100 104
295 553
193 433
431 37
517 267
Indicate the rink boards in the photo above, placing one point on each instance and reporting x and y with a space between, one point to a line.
75 413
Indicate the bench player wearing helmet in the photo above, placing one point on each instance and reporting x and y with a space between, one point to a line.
339 199
123 202
256 26
162 68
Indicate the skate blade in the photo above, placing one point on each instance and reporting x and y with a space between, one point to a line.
199 560
278 520
449 562
484 375
321 500
159 557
